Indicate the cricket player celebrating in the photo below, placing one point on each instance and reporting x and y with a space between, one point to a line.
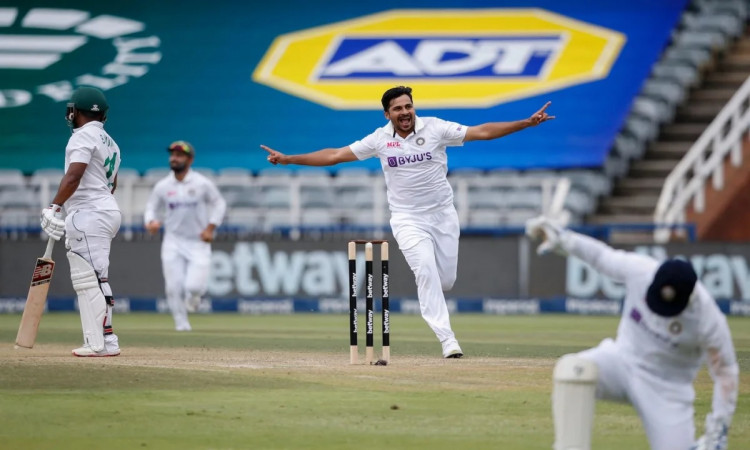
191 207
670 325
92 159
412 153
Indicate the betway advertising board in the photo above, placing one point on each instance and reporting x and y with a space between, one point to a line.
259 268
495 276
304 75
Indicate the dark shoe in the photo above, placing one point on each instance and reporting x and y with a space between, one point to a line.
455 354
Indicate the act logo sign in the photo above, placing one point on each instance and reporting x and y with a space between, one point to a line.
51 51
454 58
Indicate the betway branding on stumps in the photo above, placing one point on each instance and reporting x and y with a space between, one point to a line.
456 58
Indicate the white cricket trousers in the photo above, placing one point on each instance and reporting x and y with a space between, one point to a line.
429 242
185 265
664 406
89 234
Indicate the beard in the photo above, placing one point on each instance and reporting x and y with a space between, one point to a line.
177 167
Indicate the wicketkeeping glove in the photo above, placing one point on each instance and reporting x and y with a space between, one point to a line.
548 231
51 222
716 434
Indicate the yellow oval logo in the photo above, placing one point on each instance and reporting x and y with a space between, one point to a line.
454 58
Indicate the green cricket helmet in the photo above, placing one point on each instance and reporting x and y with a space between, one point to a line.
89 99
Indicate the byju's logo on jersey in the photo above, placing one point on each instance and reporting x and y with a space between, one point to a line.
454 58
395 161
109 52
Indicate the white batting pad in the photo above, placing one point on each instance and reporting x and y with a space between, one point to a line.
91 302
573 401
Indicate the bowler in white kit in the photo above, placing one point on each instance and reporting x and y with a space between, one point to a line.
412 153
190 207
92 217
670 326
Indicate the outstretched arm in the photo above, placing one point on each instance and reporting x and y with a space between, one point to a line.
722 363
154 208
494 130
724 370
613 263
325 157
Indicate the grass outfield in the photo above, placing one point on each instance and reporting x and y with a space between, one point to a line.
284 382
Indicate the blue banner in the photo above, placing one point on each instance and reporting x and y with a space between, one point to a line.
299 77
497 306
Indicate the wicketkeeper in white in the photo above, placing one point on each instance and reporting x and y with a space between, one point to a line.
92 159
412 153
191 207
670 326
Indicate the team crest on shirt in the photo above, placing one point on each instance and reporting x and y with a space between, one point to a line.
420 141
453 57
675 327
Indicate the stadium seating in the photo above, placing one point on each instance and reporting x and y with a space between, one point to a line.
11 178
19 205
665 120
206 172
309 197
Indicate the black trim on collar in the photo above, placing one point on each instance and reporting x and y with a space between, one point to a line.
413 132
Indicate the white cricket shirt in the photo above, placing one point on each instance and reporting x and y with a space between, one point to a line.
670 348
186 207
415 167
91 145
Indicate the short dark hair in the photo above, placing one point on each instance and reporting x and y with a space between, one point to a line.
395 92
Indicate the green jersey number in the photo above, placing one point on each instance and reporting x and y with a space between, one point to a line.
109 164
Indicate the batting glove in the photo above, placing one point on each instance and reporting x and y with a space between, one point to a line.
716 435
51 222
548 231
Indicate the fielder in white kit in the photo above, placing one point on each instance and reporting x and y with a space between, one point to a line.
670 326
191 207
92 159
412 153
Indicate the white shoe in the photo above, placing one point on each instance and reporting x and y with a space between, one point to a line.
183 328
451 349
86 351
193 303
111 342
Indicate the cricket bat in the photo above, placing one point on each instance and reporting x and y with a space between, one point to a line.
36 299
